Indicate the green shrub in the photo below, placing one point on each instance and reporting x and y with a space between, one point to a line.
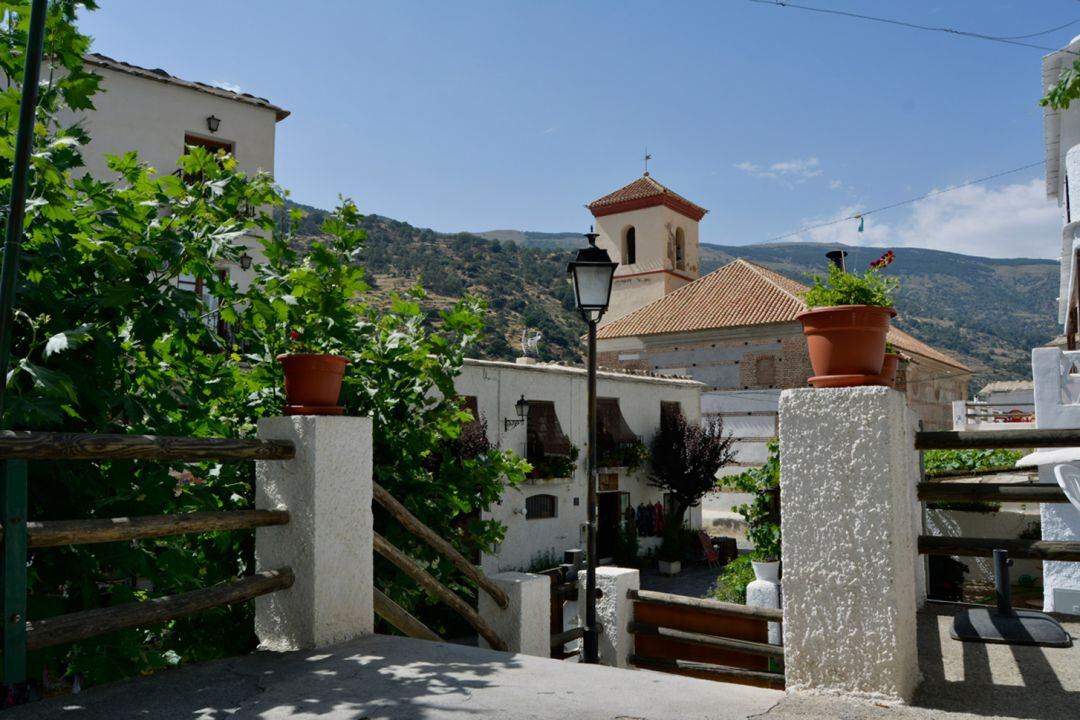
762 515
844 288
959 461
732 582
626 545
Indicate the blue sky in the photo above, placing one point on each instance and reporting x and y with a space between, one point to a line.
511 114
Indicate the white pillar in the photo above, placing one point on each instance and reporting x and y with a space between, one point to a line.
328 541
848 475
613 611
1057 406
525 624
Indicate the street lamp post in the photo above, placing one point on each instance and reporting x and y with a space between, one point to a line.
592 272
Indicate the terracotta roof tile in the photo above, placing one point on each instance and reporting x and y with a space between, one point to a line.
643 189
738 294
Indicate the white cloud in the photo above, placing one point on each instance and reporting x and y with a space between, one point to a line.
1012 220
548 131
798 169
224 85
835 184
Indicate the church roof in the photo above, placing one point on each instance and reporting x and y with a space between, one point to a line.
738 294
641 193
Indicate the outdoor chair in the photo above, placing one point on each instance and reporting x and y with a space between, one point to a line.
709 553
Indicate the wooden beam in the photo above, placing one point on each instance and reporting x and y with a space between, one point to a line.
425 580
713 641
991 492
984 547
402 619
91 623
560 639
719 672
711 606
52 533
995 439
92 446
422 531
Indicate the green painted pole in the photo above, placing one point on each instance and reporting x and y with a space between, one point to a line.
13 514
24 145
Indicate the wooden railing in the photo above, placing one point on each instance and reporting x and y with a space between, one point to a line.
705 638
942 490
398 616
18 534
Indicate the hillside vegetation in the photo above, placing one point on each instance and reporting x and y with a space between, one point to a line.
986 312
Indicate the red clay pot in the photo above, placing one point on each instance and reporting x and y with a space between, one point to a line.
889 368
313 381
846 343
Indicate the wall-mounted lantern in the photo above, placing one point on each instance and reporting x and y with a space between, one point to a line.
522 409
213 123
245 261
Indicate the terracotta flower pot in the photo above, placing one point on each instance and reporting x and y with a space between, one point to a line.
889 368
846 343
313 383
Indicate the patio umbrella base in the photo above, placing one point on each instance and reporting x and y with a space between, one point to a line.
1019 627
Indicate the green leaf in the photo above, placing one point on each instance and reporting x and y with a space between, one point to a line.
66 340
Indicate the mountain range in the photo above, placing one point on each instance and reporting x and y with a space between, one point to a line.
986 312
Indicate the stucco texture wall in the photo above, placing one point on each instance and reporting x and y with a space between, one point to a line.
850 579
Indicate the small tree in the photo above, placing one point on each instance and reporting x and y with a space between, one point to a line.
685 459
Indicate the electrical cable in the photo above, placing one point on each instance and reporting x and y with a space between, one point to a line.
932 193
1016 40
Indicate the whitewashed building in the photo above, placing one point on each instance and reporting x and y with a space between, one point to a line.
158 115
546 515
1054 371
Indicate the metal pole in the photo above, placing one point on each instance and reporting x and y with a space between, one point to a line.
1001 582
24 142
591 639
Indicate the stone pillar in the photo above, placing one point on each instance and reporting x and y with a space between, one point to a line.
613 611
848 475
525 624
328 541
1057 406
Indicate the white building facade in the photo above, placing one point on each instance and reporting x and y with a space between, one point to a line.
157 115
546 515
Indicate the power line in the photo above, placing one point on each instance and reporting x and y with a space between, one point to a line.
932 193
1014 40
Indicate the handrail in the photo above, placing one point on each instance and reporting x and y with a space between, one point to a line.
32 445
53 533
995 439
402 619
91 623
984 547
414 525
991 492
711 606
712 641
409 566
722 672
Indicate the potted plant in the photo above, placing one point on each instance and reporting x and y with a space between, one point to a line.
846 324
890 366
312 378
762 514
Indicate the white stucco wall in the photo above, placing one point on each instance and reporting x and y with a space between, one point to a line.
850 567
498 385
152 117
328 540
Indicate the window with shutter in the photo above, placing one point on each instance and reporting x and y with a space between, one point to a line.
538 507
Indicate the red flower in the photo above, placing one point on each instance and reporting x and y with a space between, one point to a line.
295 335
885 259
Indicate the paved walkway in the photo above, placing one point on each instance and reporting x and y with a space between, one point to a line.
392 678
967 681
